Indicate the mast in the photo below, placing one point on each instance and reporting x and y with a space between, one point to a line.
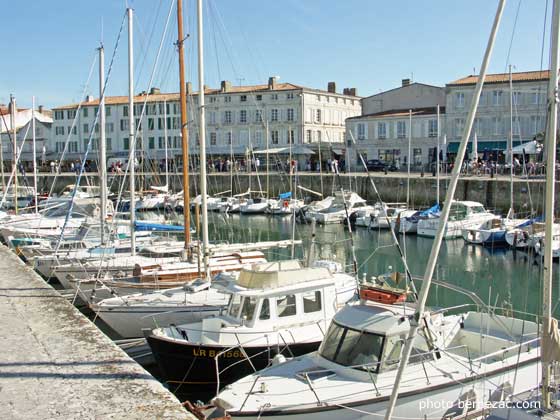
131 134
267 157
165 143
202 126
408 159
431 265
2 157
14 138
437 154
549 202
102 144
510 145
184 132
34 154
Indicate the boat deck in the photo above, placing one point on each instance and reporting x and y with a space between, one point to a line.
56 364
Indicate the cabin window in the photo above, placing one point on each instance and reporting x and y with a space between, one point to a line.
286 306
312 301
477 209
392 354
234 305
265 310
248 308
352 348
458 212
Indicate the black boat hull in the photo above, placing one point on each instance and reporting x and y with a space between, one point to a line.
191 367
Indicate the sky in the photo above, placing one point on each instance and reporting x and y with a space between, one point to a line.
49 49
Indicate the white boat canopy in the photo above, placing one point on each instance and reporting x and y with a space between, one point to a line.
530 148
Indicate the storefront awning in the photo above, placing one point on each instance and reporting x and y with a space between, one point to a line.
453 147
296 150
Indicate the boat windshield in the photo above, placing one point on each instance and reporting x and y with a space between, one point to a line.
348 347
234 305
477 209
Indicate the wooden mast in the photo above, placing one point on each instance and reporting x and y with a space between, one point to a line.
184 131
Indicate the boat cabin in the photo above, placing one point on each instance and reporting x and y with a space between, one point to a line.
461 210
370 337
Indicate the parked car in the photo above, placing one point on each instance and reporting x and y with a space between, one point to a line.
379 165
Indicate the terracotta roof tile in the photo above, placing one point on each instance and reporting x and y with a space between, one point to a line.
527 76
159 97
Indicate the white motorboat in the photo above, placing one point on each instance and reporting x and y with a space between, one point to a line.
129 315
338 209
469 357
525 236
257 205
282 207
464 215
275 308
384 214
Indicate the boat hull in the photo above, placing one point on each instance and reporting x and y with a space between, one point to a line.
192 366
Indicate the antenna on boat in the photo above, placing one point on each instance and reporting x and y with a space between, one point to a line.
419 312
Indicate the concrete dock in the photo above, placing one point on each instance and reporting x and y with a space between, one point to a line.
55 364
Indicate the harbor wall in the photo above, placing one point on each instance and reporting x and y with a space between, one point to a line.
494 192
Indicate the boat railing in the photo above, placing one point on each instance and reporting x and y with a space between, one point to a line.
505 350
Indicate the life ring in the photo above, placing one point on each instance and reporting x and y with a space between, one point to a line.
285 203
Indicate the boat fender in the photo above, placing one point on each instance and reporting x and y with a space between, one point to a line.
278 359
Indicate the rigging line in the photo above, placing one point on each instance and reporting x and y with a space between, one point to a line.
91 133
214 39
150 37
393 234
15 166
74 121
141 116
512 34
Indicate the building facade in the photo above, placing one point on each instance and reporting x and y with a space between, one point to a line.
24 135
238 119
526 101
382 132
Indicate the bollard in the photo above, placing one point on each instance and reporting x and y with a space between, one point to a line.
422 173
385 170
491 172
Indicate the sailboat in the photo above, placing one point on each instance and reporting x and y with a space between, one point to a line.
383 357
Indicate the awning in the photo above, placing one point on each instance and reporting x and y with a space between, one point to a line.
296 150
486 146
529 148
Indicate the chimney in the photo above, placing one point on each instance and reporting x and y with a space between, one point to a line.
271 83
331 87
405 82
189 88
225 86
345 91
89 98
352 92
40 109
155 91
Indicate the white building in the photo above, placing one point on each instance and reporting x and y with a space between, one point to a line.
238 118
382 131
492 123
24 134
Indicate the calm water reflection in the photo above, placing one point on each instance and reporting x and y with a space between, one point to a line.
502 277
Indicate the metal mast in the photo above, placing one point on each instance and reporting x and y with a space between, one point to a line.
202 127
510 145
34 155
14 139
549 201
431 265
437 155
131 133
102 144
184 131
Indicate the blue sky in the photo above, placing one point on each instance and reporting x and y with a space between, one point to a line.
48 47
